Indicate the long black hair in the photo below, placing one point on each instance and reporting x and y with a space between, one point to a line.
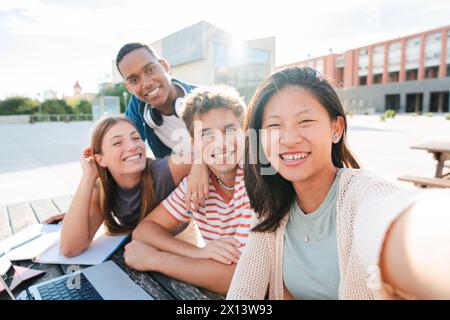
271 196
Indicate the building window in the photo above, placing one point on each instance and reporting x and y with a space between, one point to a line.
439 101
363 66
340 76
362 80
412 57
393 76
394 57
377 78
392 101
433 43
243 71
378 60
411 74
431 72
414 102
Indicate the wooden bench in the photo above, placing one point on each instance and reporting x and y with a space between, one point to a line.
424 182
441 153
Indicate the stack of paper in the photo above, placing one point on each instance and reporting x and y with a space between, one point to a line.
40 243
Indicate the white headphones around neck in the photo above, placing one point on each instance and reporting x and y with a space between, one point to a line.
153 116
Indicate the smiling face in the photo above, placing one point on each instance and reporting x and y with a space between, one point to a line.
146 77
122 150
298 134
222 139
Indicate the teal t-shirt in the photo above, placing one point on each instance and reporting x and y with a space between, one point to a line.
310 262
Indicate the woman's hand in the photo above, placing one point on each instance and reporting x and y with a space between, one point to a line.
140 256
225 250
197 187
88 165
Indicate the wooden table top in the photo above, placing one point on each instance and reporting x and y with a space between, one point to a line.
18 216
434 146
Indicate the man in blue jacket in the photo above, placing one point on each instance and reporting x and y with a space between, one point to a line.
155 106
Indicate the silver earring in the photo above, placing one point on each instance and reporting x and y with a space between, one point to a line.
335 137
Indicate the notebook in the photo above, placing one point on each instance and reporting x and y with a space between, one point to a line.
40 243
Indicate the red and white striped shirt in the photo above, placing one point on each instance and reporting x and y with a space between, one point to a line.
221 217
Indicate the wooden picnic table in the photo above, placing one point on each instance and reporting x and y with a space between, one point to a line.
441 153
16 217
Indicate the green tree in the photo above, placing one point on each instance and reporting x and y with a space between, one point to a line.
83 106
56 106
18 105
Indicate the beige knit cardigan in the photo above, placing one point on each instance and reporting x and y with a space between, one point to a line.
366 207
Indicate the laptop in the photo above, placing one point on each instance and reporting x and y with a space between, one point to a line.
106 281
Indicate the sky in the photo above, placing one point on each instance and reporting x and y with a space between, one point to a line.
49 44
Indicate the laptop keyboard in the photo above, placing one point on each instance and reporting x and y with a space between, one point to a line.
59 290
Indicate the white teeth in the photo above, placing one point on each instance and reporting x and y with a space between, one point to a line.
152 93
223 155
138 156
295 156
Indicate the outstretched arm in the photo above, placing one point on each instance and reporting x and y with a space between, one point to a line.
416 256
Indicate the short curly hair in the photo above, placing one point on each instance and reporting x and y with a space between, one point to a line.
203 99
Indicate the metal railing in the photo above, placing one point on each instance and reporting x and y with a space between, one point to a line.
60 117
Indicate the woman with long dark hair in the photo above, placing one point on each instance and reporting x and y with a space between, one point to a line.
327 229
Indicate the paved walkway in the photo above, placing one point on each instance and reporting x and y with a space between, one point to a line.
384 147
41 160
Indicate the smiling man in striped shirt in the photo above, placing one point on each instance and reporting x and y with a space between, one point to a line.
214 118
